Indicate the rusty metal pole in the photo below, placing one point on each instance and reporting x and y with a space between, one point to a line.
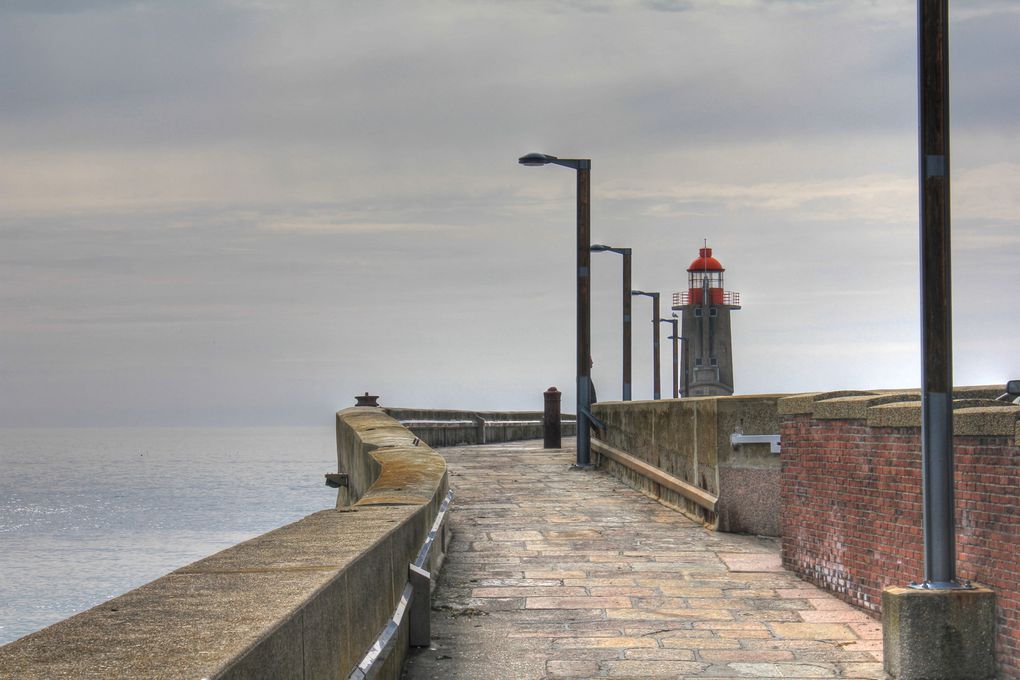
687 377
584 313
551 430
583 168
626 325
626 252
936 300
656 359
676 356
656 387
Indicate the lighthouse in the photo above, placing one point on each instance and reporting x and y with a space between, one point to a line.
705 321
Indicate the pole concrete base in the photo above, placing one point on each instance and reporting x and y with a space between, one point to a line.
939 634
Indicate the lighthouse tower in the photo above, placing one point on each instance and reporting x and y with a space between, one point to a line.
705 319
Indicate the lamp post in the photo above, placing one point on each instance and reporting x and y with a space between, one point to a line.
676 355
583 168
599 248
936 307
687 375
656 387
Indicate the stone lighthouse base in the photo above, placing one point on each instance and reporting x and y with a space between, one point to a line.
939 634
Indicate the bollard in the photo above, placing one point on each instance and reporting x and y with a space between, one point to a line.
367 399
551 419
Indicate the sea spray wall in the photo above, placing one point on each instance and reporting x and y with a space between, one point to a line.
303 601
448 427
690 439
852 506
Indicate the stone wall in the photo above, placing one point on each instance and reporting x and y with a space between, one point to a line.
304 601
448 427
689 439
852 506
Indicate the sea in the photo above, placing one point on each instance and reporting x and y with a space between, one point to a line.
87 514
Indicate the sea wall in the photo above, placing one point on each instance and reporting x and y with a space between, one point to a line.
691 441
851 505
449 427
304 601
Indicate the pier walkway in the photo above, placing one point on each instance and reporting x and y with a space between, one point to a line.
560 573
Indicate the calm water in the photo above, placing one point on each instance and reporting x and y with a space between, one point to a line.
87 514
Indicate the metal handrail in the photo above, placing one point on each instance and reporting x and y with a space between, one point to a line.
730 297
415 596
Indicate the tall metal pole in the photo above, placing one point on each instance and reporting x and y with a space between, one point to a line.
626 325
936 307
687 380
583 168
676 357
583 313
656 380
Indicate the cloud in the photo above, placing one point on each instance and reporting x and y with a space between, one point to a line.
211 195
871 198
320 226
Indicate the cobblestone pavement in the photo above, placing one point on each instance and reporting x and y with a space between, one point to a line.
560 573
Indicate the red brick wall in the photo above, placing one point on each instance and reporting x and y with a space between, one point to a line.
851 514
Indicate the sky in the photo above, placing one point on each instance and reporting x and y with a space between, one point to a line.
226 212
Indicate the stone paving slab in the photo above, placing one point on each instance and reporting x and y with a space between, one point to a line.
561 573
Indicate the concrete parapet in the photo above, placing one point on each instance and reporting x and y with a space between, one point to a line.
939 634
970 417
795 404
690 440
856 407
852 404
450 427
303 601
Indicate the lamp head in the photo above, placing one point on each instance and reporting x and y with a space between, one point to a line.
535 159
599 248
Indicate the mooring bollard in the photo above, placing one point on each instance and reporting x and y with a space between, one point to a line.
367 399
551 419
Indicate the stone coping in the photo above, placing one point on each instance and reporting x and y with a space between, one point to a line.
990 421
854 404
856 407
805 403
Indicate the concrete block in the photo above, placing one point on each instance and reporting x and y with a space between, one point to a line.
939 634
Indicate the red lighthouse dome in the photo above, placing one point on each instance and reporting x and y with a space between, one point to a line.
705 279
705 262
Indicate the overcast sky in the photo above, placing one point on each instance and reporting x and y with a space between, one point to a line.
246 212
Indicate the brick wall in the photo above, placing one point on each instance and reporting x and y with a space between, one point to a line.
851 501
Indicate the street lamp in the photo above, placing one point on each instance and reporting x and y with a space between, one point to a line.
584 418
656 387
676 355
599 248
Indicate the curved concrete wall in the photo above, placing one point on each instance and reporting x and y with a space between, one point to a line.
304 601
